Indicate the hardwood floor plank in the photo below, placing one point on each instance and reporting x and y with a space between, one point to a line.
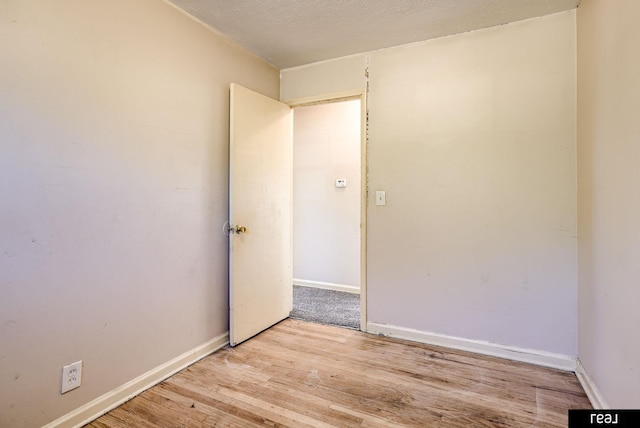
299 374
223 413
126 418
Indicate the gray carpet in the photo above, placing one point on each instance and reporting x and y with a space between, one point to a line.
326 306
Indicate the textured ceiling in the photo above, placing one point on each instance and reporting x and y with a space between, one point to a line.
288 33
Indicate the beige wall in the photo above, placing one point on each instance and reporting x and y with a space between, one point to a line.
326 219
325 77
473 139
609 207
113 192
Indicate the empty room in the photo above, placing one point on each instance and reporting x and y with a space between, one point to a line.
147 202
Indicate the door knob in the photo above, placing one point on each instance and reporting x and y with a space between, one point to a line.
240 229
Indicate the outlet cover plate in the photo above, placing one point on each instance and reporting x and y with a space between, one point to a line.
71 376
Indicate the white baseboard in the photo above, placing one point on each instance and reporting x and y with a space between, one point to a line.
590 388
327 286
112 399
541 358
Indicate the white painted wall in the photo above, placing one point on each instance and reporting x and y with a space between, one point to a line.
609 207
473 138
326 77
326 219
113 192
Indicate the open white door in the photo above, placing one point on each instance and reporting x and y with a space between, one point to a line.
260 213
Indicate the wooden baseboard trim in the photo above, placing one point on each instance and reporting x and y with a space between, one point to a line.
590 388
540 358
112 399
327 286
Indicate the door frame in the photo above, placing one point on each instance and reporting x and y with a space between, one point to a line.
360 94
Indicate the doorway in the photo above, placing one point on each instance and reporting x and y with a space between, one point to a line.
260 209
329 211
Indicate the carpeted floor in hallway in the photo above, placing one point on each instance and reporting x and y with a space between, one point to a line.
326 306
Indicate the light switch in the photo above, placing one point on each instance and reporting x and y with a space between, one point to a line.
381 197
341 182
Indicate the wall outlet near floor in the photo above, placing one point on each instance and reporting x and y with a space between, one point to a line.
71 376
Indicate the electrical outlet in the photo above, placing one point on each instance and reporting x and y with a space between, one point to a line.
71 376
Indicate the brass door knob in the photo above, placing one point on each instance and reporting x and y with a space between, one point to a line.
240 229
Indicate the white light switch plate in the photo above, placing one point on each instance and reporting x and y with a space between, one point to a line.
341 182
381 198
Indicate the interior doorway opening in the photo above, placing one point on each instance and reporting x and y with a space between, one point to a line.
329 211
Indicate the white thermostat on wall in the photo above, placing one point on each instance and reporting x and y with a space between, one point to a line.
341 182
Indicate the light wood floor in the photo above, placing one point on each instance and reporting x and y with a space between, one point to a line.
300 374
